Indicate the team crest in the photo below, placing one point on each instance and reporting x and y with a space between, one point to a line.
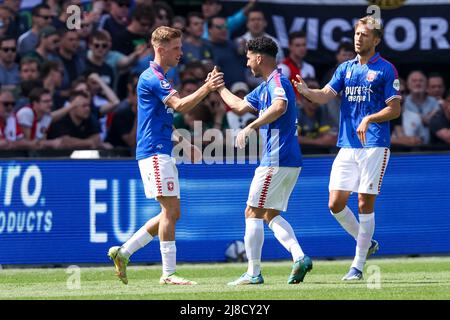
371 75
170 186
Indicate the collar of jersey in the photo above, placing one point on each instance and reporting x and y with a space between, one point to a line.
157 66
371 60
274 72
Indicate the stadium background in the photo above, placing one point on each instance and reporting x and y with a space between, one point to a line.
68 211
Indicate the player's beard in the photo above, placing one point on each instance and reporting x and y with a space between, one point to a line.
256 74
362 51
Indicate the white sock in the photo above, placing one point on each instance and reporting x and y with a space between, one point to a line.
254 239
286 236
168 256
348 221
138 240
366 229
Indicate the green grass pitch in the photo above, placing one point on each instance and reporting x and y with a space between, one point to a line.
400 278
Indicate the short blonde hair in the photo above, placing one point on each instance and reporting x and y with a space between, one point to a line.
164 34
372 23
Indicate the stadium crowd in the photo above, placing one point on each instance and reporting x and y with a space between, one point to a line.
66 88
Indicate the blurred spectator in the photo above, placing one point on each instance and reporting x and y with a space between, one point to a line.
294 64
29 79
122 132
163 14
19 23
28 69
195 48
34 120
55 6
84 33
185 120
440 123
52 76
99 11
119 62
179 22
41 17
194 70
104 100
256 27
225 52
436 87
6 19
137 32
78 129
21 93
418 101
408 129
210 114
8 128
345 52
217 118
313 125
117 20
9 69
234 120
127 41
74 63
47 47
211 8
96 61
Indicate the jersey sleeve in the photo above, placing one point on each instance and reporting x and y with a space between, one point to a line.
337 82
25 117
392 84
252 99
277 90
162 89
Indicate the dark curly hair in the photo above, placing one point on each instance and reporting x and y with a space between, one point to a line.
263 45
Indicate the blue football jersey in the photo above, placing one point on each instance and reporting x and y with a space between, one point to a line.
154 118
366 89
281 147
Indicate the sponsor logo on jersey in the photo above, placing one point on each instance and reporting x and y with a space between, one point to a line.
165 84
279 91
358 93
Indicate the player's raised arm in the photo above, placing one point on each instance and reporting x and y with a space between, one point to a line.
238 105
189 102
320 96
